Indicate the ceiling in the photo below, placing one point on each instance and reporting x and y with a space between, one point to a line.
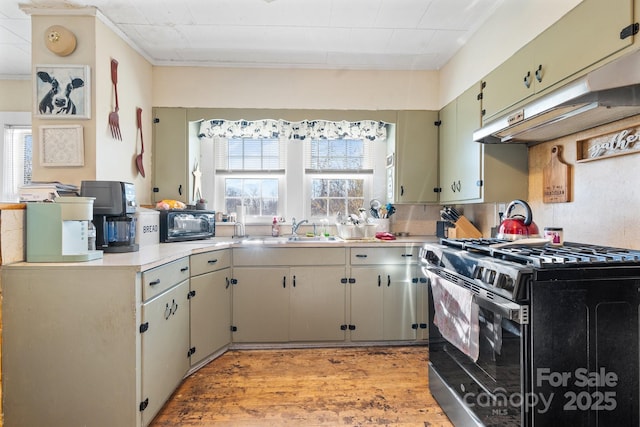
322 34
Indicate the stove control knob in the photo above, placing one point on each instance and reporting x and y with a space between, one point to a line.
504 282
490 277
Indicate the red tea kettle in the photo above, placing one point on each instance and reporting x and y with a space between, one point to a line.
517 226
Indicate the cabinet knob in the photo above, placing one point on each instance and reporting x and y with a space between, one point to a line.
539 73
527 80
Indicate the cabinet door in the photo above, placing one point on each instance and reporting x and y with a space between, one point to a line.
460 156
399 303
367 303
509 83
448 152
469 152
165 346
584 36
317 304
261 304
170 148
416 157
210 304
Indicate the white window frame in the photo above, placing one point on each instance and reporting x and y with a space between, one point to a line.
221 175
13 160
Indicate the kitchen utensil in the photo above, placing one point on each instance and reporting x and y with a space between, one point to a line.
517 226
139 163
556 179
375 208
114 120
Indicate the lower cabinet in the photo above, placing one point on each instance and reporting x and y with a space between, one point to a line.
289 294
210 304
282 304
317 304
383 294
383 303
165 345
260 304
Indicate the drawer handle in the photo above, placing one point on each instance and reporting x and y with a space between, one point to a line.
388 280
379 280
183 269
407 255
361 255
212 261
155 282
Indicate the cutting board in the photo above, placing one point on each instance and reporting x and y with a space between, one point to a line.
556 179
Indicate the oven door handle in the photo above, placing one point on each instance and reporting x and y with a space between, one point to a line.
482 298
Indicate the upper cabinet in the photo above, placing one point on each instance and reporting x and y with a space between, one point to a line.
416 157
460 156
592 31
471 172
174 155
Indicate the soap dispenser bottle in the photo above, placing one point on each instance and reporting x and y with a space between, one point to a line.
275 228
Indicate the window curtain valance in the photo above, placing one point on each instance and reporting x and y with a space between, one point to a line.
312 129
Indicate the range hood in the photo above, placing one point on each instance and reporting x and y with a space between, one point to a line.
607 94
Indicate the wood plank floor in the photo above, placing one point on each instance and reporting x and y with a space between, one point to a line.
365 386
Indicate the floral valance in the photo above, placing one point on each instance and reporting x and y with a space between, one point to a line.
312 129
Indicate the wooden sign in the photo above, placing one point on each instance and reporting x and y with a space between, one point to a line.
613 144
556 179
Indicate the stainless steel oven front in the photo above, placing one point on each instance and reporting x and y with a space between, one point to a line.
556 330
477 389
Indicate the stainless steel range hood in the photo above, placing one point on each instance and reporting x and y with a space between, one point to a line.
604 95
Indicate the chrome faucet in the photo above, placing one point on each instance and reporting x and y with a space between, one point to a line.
295 225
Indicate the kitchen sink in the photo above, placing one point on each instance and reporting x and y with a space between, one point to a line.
300 239
291 239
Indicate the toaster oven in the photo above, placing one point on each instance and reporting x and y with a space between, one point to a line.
179 225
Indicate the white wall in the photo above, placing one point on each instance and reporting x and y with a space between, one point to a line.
294 88
514 24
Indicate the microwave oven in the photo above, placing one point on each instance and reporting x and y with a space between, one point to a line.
179 225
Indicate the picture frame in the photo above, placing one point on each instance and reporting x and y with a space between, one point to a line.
62 91
61 145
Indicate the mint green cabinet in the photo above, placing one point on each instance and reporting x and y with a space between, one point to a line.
477 173
586 35
383 291
416 157
210 303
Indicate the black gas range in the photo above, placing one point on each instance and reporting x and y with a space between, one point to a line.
530 335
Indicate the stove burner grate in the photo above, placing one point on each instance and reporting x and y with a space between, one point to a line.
570 254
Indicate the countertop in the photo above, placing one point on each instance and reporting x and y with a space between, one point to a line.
151 256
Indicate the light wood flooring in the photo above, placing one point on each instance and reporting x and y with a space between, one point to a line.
364 386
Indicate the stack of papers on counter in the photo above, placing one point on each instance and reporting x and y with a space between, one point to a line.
46 191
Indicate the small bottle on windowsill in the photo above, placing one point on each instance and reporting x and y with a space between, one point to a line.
275 228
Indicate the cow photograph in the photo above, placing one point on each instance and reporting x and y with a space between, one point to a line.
62 91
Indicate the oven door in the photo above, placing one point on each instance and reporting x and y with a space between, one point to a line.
486 390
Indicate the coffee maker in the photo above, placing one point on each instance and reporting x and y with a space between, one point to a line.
59 231
113 214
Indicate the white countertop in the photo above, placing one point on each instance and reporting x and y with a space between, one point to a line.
151 256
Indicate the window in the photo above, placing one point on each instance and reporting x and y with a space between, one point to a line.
18 165
253 169
339 174
260 196
330 196
312 169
